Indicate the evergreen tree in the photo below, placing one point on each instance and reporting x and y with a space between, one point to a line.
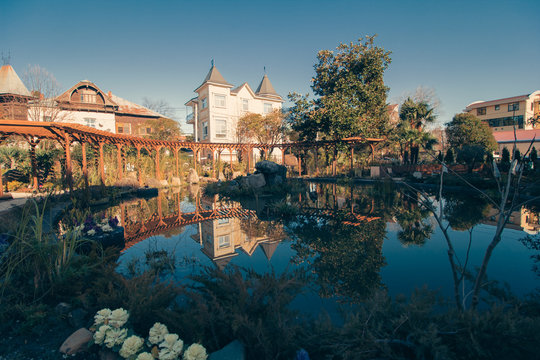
449 157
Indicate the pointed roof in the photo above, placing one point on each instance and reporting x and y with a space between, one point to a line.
66 96
214 77
10 83
269 248
266 89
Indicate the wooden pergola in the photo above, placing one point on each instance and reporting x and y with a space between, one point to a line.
67 133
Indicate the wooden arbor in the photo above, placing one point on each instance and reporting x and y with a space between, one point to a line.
66 134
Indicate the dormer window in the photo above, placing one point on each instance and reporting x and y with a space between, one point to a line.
88 96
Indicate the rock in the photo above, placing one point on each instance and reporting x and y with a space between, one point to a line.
153 183
270 167
76 342
62 308
76 317
375 171
417 175
274 179
175 181
221 176
233 351
256 181
127 182
193 178
163 183
236 174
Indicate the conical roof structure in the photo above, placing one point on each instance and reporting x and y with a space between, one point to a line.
266 89
215 77
269 249
10 83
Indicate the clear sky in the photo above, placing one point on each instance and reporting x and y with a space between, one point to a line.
464 50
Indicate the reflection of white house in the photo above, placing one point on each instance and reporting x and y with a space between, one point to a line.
218 106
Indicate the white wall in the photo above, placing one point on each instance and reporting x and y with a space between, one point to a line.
102 121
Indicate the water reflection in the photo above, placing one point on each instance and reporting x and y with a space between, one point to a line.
353 240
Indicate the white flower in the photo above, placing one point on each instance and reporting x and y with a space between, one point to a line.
91 232
157 333
102 317
171 347
118 318
106 228
131 346
195 352
115 337
99 336
145 356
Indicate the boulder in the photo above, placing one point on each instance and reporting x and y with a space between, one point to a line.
193 178
236 174
163 183
256 181
153 183
76 318
127 182
274 174
417 175
375 171
175 181
76 342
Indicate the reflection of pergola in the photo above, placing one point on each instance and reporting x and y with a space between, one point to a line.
66 134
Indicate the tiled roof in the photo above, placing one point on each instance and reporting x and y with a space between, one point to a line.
521 135
10 83
128 107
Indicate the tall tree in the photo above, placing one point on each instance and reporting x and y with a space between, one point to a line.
468 130
351 94
44 89
164 129
268 129
160 106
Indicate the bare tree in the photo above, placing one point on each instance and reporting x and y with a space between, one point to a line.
160 106
44 89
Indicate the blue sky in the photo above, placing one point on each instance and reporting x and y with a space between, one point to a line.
464 50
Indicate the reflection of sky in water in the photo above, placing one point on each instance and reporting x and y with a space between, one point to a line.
406 267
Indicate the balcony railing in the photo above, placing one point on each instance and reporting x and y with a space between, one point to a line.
190 118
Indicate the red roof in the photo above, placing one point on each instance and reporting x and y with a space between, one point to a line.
521 135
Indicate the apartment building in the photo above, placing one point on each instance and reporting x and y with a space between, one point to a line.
502 114
218 106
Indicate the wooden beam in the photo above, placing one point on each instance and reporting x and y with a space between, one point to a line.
139 170
101 164
119 161
84 164
67 149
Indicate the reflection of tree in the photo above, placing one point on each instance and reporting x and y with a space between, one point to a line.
346 259
255 228
411 218
463 212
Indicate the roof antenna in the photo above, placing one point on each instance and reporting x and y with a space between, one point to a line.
264 70
6 59
212 62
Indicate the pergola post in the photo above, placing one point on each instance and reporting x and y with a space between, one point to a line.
316 161
158 173
230 156
249 152
119 161
101 164
283 155
33 162
214 163
299 165
352 159
67 149
334 162
372 152
84 164
176 161
139 170
195 157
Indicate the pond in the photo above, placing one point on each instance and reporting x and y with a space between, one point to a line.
350 240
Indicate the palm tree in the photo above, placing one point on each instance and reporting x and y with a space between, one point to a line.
414 116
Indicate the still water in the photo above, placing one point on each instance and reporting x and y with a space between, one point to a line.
350 240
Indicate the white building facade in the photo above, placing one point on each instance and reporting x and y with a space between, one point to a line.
218 106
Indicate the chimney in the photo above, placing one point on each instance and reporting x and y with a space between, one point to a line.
109 94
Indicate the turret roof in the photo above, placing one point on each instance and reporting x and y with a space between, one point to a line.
266 89
10 83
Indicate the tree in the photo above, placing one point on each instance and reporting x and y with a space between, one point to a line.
268 129
467 129
449 157
44 89
351 94
164 129
160 106
533 157
470 155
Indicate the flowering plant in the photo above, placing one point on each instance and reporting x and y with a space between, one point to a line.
109 332
91 227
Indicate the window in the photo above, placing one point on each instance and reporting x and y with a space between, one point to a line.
224 241
221 128
481 111
204 103
497 107
90 122
267 108
88 96
507 121
245 105
205 129
220 100
223 221
120 130
513 107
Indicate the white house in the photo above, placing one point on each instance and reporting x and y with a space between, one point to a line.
218 106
